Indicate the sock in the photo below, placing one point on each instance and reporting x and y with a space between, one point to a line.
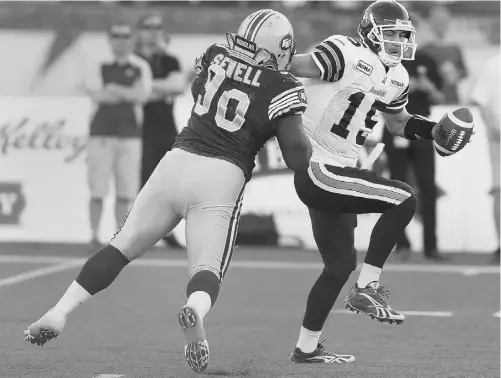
368 274
308 340
74 296
200 301
101 269
205 281
321 299
387 230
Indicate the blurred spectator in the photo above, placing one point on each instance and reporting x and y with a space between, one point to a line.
118 87
159 127
446 54
424 91
486 94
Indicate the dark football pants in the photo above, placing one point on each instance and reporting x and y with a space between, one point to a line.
334 196
421 156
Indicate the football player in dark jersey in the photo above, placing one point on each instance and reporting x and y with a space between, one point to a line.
243 97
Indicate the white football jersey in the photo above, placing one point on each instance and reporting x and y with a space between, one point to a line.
342 107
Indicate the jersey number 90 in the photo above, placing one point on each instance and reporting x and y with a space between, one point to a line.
215 78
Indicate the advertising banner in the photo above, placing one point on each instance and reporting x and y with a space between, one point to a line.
44 194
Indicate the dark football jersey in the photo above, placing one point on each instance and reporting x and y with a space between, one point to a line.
236 107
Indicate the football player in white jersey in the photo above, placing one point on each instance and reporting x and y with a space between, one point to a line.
368 77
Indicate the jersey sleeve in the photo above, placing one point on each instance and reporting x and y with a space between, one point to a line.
289 98
332 56
200 68
401 100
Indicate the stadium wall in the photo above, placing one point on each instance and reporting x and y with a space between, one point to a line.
43 132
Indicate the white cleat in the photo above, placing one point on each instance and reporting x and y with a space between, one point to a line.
46 328
196 349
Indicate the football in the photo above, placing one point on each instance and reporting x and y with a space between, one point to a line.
453 131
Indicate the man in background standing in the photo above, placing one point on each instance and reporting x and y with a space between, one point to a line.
485 94
447 55
159 127
118 87
424 91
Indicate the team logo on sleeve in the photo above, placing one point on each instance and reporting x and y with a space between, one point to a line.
302 96
286 42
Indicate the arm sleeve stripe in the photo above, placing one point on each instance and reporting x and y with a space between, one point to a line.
323 64
296 108
401 105
400 101
282 100
330 60
286 104
320 62
284 93
340 68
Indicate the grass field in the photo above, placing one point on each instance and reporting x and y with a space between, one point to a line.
130 330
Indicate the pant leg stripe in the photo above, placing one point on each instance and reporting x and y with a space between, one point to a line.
231 236
357 187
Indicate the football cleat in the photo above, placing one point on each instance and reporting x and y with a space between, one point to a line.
320 356
368 301
48 327
196 350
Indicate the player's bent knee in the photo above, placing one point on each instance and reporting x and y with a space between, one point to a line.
410 203
342 267
122 247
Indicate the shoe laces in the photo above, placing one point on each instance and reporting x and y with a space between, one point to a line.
379 291
320 345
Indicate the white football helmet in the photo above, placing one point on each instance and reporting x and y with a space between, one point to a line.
268 37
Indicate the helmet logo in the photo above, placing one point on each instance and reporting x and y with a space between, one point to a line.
400 22
286 42
365 19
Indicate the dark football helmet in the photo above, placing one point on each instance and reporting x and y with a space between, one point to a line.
385 15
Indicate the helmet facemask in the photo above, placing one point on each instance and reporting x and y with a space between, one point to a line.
376 37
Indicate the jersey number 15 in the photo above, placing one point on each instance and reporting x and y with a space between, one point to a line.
341 128
216 75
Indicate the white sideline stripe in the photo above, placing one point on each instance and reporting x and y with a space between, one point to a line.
286 265
108 376
26 276
435 314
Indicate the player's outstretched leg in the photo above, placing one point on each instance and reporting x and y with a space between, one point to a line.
334 236
202 292
97 274
366 295
150 218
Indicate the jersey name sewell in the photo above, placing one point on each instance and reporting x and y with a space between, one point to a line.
236 106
